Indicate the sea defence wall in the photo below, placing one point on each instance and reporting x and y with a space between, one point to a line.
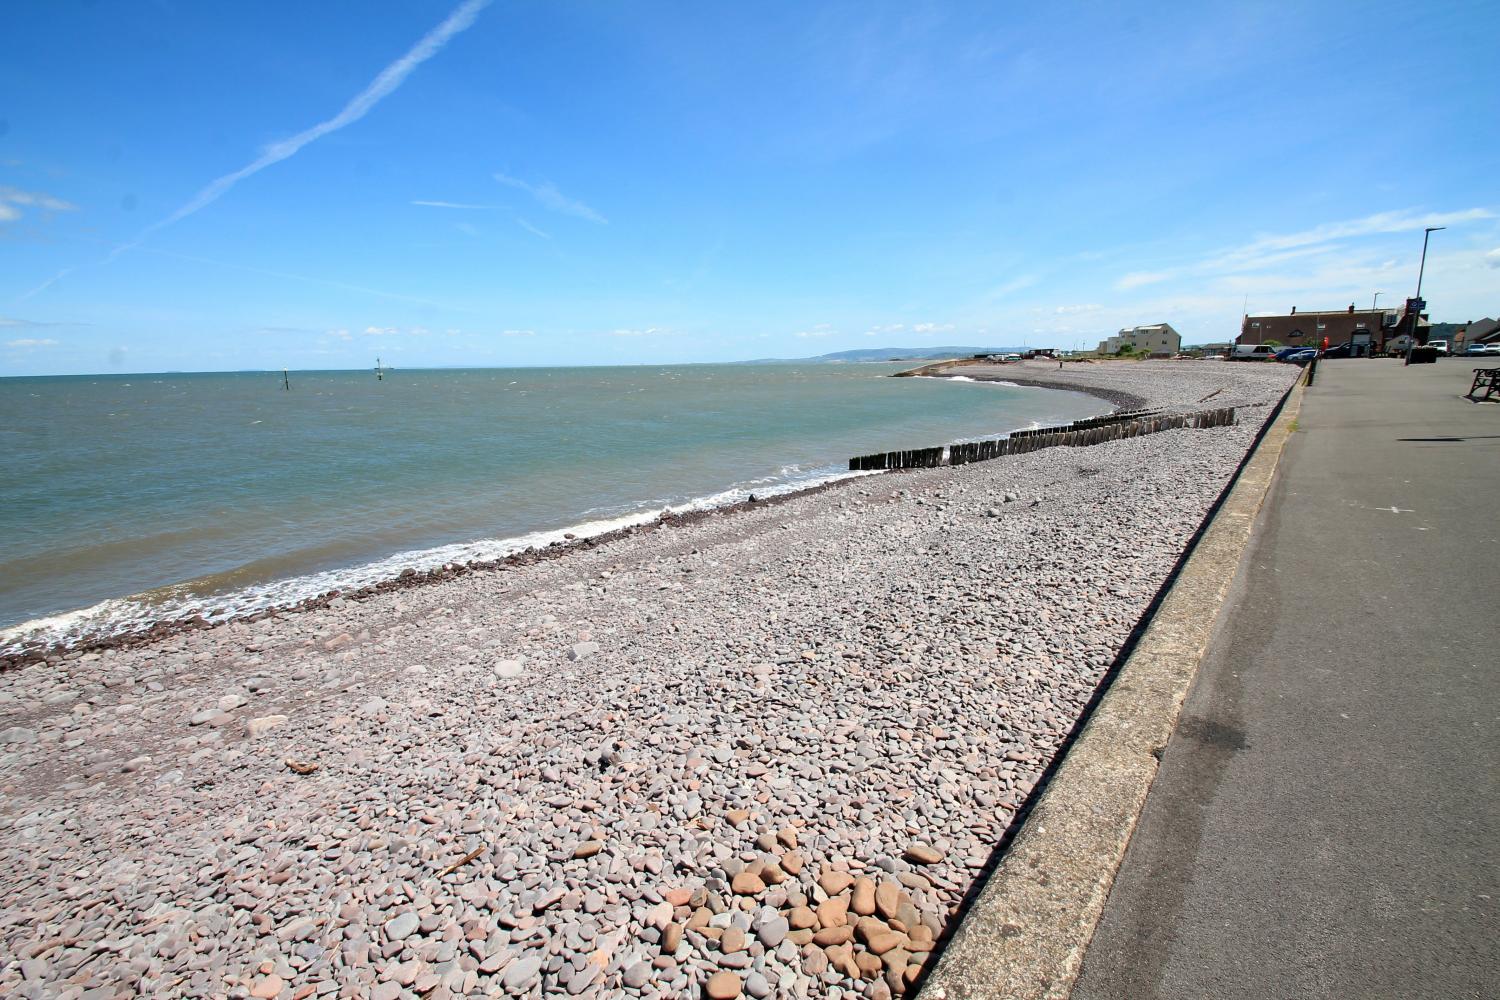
1080 433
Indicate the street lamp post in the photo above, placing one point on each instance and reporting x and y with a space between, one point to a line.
1421 269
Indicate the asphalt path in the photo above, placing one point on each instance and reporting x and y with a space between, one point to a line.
1326 820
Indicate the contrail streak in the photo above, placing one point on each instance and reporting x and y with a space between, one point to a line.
389 79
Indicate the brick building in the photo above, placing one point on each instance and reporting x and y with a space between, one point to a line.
1307 329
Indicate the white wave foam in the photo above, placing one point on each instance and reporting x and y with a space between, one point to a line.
976 381
136 614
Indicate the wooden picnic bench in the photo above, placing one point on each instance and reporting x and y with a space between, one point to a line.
1487 379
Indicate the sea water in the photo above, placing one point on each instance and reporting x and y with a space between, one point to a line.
125 499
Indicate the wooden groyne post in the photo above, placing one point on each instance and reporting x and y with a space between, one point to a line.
1078 434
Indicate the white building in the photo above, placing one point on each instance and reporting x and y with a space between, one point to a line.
1157 340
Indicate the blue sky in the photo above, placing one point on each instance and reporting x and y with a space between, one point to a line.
224 186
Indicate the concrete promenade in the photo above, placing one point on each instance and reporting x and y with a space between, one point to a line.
1326 819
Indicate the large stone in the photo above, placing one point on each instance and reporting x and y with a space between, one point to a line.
17 735
833 912
833 883
841 957
636 975
583 650
522 973
581 979
723 986
922 854
733 940
263 725
863 900
747 884
773 931
833 936
509 668
402 926
267 987
671 938
887 899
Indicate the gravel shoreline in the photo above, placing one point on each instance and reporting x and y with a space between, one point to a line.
760 754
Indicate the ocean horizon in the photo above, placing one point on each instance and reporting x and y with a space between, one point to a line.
131 499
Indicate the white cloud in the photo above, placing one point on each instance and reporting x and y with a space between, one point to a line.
11 197
31 342
387 331
547 194
341 334
450 204
390 78
1492 259
1405 221
28 323
1139 278
532 229
1271 249
515 333
650 331
1080 308
932 327
1012 286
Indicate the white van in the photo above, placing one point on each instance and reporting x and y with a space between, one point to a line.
1252 352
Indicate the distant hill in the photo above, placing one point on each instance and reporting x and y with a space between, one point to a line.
887 354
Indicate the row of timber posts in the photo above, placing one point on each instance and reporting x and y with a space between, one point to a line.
1080 433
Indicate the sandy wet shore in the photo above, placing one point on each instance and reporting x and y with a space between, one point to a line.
765 753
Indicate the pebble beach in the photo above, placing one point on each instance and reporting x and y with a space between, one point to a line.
765 753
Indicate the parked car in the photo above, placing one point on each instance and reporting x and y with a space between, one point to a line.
1287 352
1345 350
1301 356
1252 352
1473 350
1441 346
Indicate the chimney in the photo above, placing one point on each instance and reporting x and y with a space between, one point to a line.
1294 310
